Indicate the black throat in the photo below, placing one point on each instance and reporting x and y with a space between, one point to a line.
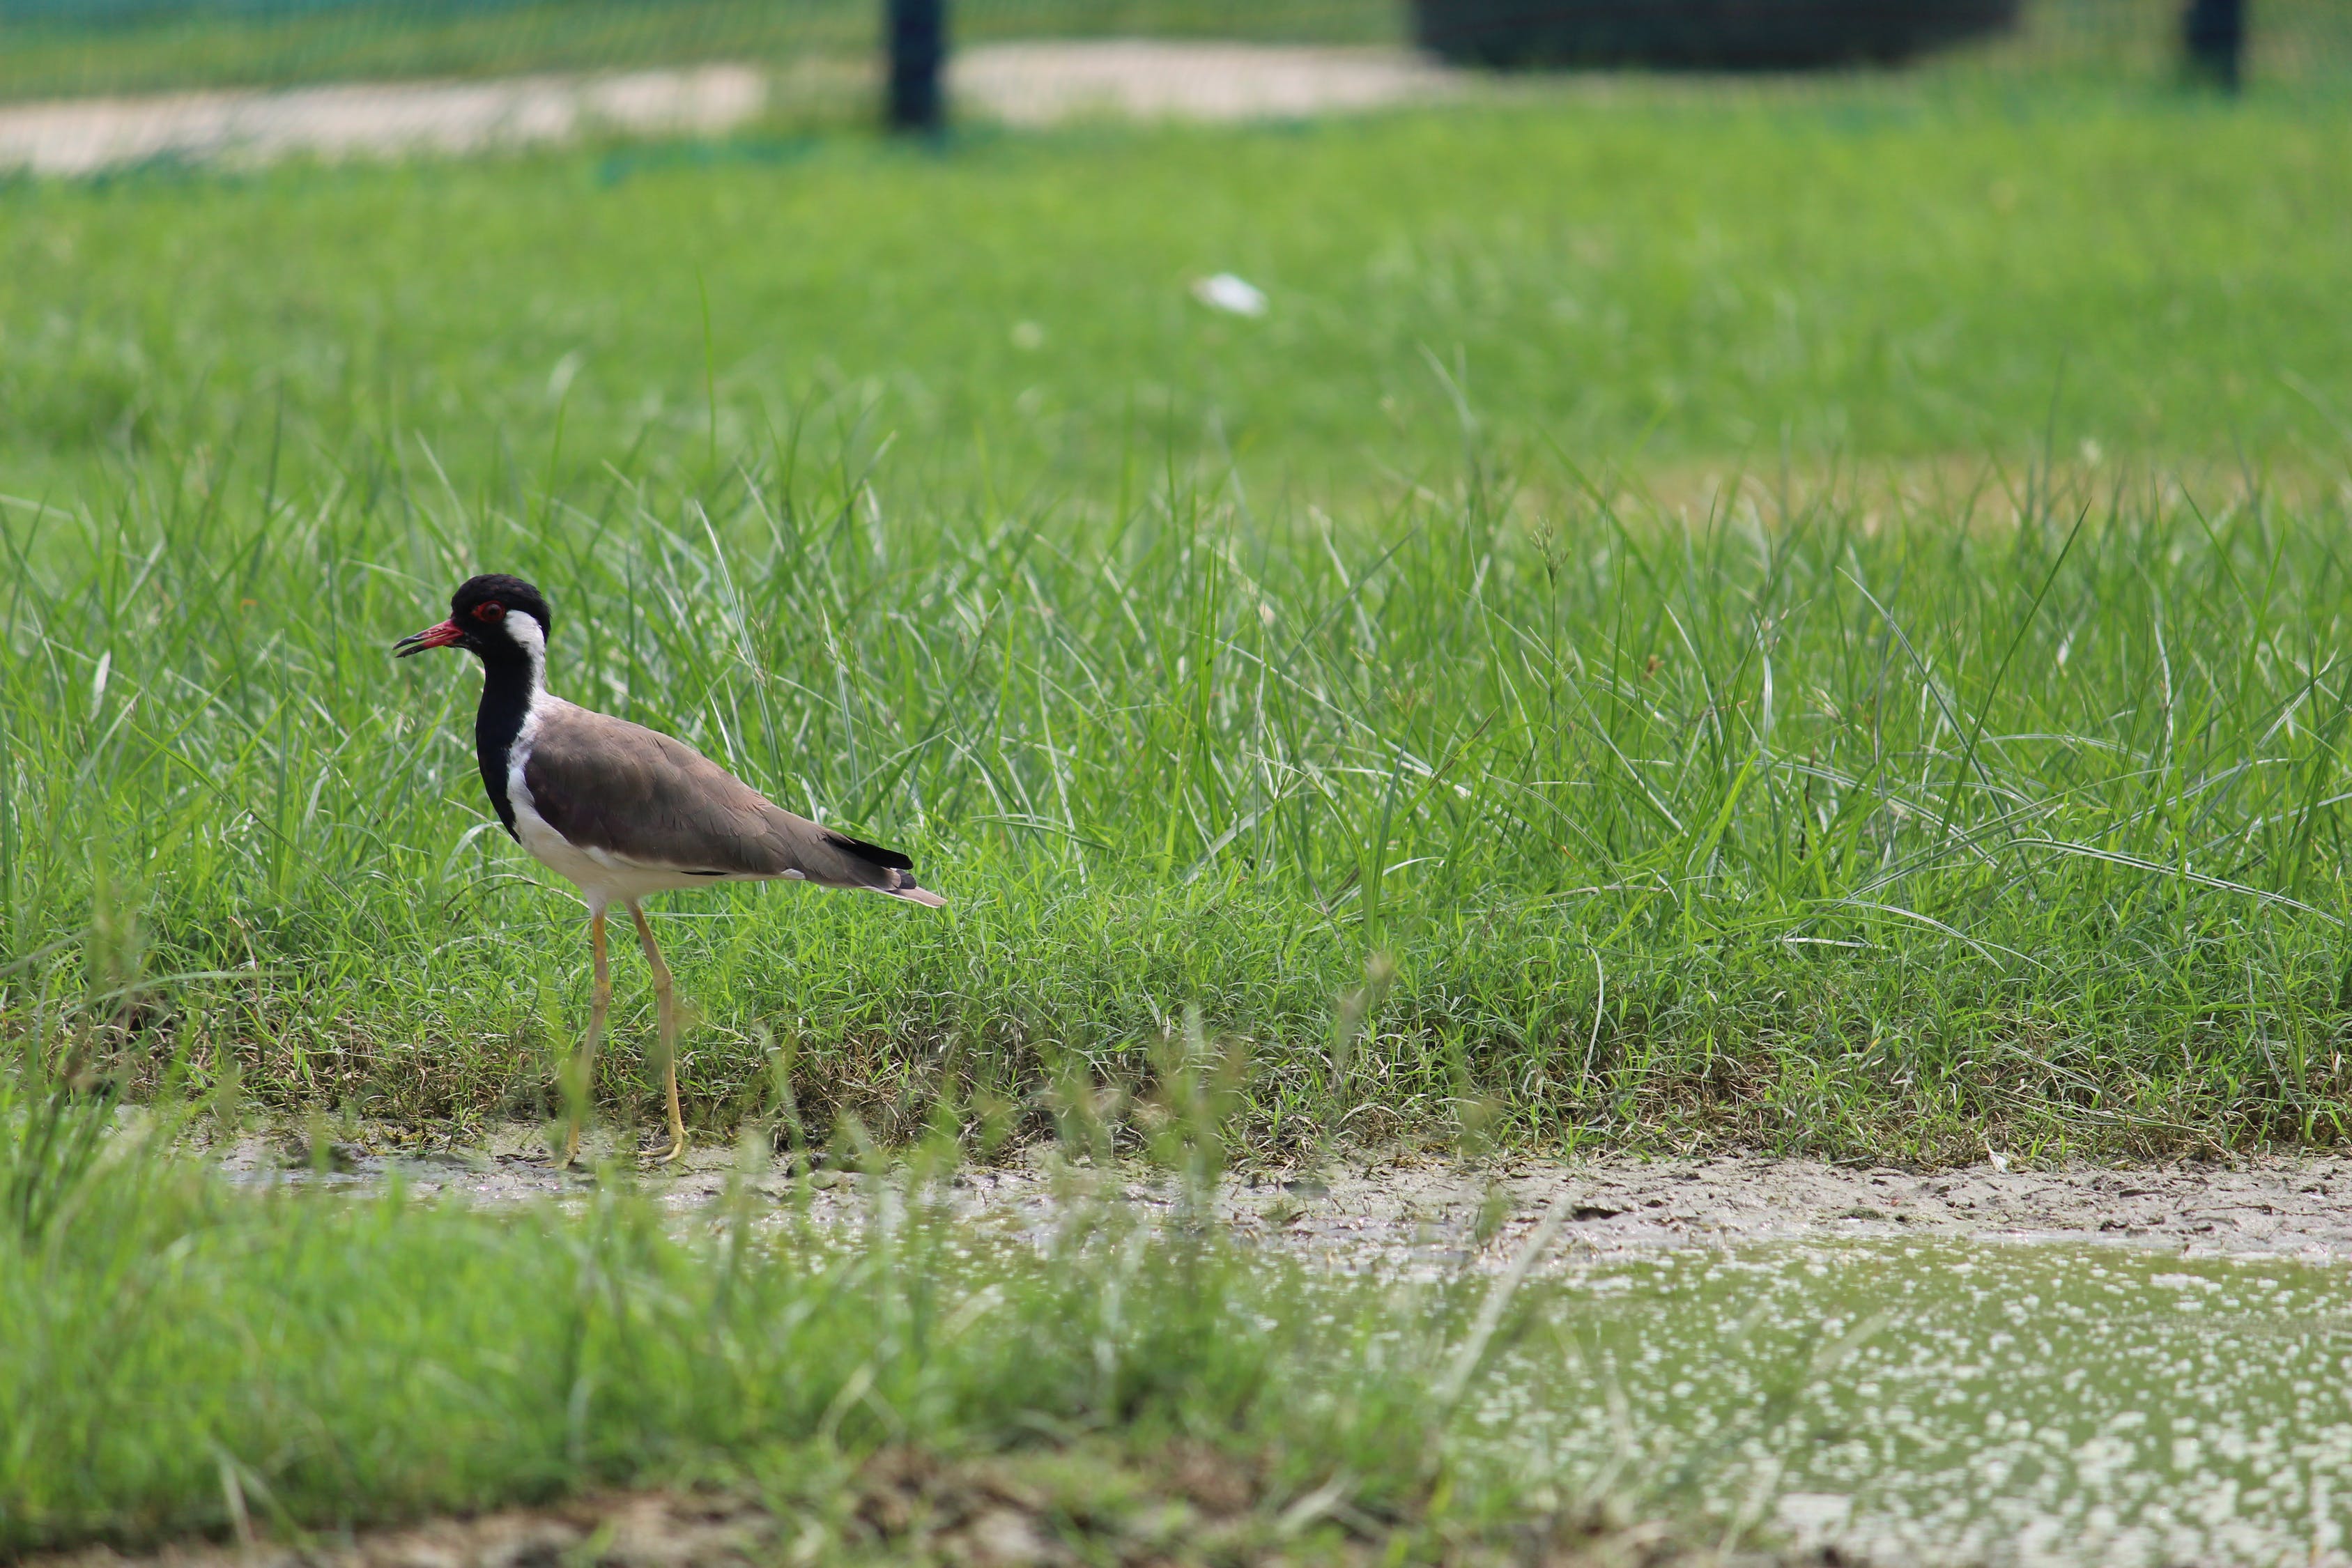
507 690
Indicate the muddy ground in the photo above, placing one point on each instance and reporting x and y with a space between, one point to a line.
1182 1507
1364 1210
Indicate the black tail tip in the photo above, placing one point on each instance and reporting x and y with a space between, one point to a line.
873 853
915 892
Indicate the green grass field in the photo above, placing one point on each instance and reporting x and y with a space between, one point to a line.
1974 775
1801 621
1634 276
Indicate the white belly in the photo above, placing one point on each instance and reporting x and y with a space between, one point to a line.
602 878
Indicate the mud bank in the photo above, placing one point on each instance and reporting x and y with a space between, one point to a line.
1362 1209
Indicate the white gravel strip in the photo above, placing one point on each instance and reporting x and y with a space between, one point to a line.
84 136
1014 84
1046 83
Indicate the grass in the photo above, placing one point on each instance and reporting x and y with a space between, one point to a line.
1806 835
1326 674
1662 281
864 1379
178 1356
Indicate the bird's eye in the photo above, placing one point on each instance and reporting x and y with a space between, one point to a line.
489 610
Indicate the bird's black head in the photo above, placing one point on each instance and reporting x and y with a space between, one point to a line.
483 620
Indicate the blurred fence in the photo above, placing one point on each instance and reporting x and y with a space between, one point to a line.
832 48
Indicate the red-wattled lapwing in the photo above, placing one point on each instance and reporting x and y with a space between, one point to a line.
622 811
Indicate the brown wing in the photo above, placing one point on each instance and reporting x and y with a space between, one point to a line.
606 784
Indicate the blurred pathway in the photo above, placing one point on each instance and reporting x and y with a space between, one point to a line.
1017 84
84 136
1042 83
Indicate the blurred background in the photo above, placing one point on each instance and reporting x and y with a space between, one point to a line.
823 57
1311 241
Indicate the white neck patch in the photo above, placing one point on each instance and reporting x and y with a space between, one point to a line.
524 628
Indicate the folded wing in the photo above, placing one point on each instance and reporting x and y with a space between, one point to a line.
643 797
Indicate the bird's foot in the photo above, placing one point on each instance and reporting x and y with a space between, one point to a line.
677 1147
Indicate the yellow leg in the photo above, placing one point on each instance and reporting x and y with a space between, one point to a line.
666 1015
583 1063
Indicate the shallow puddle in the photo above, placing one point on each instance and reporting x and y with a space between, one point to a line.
1955 1401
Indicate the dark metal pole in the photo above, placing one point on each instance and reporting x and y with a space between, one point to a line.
915 36
2215 34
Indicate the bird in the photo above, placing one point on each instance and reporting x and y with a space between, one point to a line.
622 812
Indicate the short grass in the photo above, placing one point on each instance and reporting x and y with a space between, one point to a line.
1627 275
1312 676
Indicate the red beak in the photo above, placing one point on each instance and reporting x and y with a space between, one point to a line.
445 634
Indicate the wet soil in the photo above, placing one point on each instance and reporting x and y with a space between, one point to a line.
1367 1209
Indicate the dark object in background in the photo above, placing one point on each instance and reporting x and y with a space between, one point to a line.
2215 34
1700 34
916 38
